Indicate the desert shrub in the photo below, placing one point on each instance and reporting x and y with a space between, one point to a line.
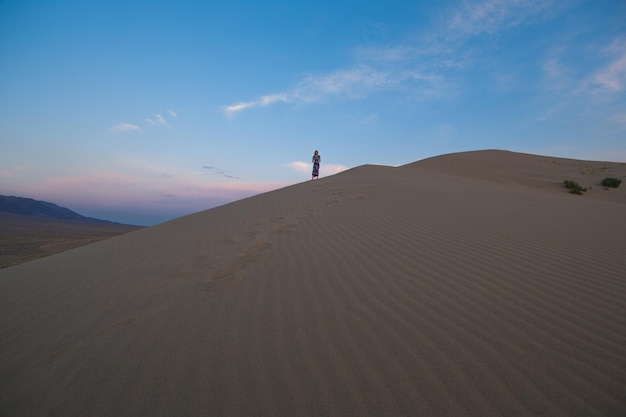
574 187
611 182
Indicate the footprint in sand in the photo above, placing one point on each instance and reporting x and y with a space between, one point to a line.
283 226
236 271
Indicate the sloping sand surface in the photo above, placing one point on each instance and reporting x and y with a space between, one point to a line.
465 285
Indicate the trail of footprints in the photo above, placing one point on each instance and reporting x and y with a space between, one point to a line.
237 270
253 250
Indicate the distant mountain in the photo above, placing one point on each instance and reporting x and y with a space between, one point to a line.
30 207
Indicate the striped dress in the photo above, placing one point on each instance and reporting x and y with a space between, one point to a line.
316 165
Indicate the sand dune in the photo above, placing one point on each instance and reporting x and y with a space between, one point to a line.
468 284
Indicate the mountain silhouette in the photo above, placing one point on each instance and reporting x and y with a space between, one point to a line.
44 209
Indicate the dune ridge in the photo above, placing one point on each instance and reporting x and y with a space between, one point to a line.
467 284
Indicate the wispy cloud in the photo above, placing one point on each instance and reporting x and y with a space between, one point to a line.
325 169
445 44
261 102
417 66
220 171
491 16
125 127
612 77
158 120
553 69
315 87
334 168
300 166
602 76
352 83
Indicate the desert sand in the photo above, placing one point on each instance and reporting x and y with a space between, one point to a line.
470 284
24 238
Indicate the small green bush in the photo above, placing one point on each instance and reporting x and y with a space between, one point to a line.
611 182
574 187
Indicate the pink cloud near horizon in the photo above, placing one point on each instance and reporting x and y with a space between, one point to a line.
325 169
123 192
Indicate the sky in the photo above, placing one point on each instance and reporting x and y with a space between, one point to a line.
144 111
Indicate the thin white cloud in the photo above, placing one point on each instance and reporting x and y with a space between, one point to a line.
158 121
300 166
273 98
387 54
444 44
125 127
490 16
325 169
331 169
553 68
557 75
612 77
234 108
220 171
601 77
350 83
418 66
261 102
161 120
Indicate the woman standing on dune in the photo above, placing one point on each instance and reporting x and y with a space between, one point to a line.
316 165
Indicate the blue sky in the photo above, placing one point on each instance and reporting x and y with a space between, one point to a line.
143 111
